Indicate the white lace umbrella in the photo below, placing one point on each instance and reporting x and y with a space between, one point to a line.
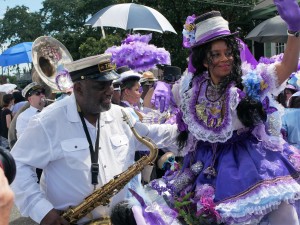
131 16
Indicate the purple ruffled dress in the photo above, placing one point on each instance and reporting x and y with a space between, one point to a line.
246 172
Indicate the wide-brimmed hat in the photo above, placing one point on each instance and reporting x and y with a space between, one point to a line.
98 68
205 28
27 91
148 76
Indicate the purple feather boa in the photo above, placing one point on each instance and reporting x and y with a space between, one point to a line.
136 53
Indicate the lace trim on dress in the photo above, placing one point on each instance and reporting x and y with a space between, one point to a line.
252 207
201 129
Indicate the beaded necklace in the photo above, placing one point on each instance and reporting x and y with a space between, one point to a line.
213 91
211 111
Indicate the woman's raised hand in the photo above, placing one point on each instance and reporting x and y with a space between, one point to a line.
289 11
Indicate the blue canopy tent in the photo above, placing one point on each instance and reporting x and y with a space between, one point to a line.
20 53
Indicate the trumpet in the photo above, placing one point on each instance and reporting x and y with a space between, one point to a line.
47 101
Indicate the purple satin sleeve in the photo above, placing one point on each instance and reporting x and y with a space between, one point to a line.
246 55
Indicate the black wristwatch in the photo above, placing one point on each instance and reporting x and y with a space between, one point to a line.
293 33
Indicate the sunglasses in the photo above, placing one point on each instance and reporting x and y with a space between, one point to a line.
38 93
117 88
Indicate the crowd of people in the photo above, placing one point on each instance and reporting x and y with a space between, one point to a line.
224 156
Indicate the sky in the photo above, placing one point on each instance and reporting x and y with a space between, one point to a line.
33 5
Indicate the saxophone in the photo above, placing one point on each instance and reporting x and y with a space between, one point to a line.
102 195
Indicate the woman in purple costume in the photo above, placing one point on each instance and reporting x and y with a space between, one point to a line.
237 169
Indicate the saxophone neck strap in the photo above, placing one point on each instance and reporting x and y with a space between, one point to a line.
94 152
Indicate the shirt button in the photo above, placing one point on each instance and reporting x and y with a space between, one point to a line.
75 146
104 166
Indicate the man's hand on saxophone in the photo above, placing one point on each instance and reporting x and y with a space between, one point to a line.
53 217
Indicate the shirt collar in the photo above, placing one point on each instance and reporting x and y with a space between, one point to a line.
33 108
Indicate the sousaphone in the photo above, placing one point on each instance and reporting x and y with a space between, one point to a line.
49 57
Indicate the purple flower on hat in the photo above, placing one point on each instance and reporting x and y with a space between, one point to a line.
189 32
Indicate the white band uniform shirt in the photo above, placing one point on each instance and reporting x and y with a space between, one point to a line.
62 151
23 119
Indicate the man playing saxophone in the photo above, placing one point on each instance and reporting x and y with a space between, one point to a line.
83 144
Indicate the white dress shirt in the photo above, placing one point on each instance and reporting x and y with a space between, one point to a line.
23 119
61 149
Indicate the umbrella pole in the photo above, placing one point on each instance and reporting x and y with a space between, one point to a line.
103 33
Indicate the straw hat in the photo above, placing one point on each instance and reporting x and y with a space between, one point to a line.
148 76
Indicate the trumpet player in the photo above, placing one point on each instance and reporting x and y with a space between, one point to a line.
35 94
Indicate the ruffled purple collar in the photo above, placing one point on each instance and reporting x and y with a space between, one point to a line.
199 127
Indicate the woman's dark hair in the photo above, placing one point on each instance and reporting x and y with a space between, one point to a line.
18 97
281 99
182 138
122 214
251 112
128 83
6 99
294 102
201 53
292 91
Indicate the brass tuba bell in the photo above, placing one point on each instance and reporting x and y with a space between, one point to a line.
48 57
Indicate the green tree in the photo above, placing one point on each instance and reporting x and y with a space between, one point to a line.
93 46
176 12
65 21
19 25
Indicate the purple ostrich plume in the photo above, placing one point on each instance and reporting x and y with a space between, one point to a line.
136 53
137 37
